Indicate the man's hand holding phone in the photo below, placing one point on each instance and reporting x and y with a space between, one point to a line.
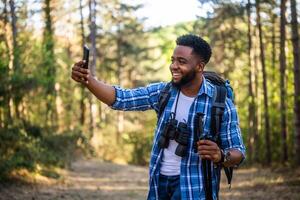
80 71
80 74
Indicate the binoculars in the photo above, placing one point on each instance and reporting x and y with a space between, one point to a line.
178 132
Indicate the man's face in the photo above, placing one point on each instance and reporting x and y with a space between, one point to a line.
184 66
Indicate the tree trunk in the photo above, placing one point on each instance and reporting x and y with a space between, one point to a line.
82 105
282 80
273 47
93 36
15 59
251 106
1 119
268 156
92 67
256 141
120 126
92 121
49 65
296 54
15 56
7 118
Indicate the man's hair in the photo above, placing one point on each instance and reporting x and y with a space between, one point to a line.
200 46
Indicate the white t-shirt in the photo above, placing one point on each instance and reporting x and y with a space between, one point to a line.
170 163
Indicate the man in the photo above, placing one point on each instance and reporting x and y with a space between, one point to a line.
173 176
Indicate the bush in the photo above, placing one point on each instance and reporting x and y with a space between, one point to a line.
59 150
17 150
20 149
141 147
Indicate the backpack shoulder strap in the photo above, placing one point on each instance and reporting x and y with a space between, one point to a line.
217 111
163 99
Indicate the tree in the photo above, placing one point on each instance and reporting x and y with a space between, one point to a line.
282 79
82 34
92 66
15 57
4 67
268 157
125 39
251 106
48 66
296 55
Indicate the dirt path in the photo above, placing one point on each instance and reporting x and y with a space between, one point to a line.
94 179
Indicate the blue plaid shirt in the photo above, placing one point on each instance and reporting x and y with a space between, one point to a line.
191 178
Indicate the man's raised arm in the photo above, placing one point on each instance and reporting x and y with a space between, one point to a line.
104 92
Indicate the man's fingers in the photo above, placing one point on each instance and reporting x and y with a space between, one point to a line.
75 78
207 157
206 142
79 74
79 63
207 147
80 69
206 153
83 70
80 80
83 81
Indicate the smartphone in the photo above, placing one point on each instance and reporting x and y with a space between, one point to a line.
86 53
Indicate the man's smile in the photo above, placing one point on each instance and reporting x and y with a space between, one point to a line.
176 75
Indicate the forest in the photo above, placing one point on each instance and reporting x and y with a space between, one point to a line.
47 121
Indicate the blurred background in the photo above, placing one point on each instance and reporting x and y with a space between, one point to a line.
47 120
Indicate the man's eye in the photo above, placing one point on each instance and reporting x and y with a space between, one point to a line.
182 62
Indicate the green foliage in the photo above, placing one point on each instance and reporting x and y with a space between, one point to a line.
17 150
141 138
26 148
60 149
142 144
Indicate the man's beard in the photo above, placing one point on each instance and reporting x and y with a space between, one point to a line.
185 80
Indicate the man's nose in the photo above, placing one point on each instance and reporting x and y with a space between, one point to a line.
174 65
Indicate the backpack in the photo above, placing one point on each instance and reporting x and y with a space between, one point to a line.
223 90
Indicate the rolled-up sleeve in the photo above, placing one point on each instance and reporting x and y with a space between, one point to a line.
139 99
231 137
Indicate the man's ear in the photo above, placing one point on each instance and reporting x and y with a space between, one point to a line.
200 66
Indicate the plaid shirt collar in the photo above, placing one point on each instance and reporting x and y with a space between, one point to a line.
206 88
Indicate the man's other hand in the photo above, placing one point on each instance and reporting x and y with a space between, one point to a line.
209 150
